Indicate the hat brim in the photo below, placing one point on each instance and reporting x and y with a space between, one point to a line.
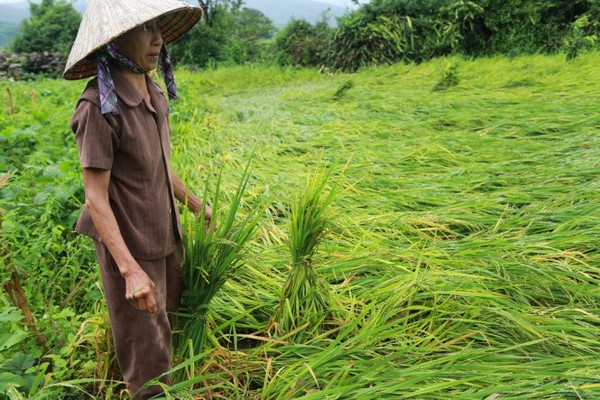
172 25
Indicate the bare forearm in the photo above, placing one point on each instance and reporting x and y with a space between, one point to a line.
108 229
184 195
96 198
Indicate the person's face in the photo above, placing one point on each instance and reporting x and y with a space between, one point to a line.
142 44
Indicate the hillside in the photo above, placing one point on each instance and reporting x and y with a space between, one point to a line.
14 12
8 30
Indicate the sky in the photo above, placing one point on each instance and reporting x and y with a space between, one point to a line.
342 3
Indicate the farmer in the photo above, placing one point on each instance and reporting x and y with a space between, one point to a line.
122 130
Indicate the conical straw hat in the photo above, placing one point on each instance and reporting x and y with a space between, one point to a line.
105 20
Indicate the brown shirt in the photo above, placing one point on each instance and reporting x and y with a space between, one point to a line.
135 147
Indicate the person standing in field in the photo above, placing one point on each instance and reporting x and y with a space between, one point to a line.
122 130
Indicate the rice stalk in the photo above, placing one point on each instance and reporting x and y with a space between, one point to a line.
213 255
306 298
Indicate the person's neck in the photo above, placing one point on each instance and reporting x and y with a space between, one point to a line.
137 80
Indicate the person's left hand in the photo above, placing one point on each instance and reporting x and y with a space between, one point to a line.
207 217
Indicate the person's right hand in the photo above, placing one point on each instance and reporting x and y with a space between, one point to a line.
139 290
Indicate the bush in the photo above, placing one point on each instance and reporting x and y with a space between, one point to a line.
302 44
577 40
359 42
518 27
199 46
384 31
583 32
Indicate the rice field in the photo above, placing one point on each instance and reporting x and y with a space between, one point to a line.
464 241
461 249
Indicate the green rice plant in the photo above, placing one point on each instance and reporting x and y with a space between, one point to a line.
343 89
450 77
214 254
306 300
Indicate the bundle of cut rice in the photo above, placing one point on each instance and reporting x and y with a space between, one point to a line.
213 255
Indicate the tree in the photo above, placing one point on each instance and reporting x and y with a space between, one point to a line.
302 44
52 26
211 8
251 30
229 33
253 24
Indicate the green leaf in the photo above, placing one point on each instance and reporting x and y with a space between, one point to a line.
20 362
8 379
8 340
11 314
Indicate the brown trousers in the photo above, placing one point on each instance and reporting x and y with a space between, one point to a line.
142 340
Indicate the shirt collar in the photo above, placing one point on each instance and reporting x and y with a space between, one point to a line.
128 94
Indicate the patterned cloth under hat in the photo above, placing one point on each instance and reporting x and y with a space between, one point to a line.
105 20
106 86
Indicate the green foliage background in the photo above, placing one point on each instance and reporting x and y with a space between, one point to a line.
236 35
387 31
303 44
377 32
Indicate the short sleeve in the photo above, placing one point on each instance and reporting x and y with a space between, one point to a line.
97 139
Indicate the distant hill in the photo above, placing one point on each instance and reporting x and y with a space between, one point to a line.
14 12
280 11
8 30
